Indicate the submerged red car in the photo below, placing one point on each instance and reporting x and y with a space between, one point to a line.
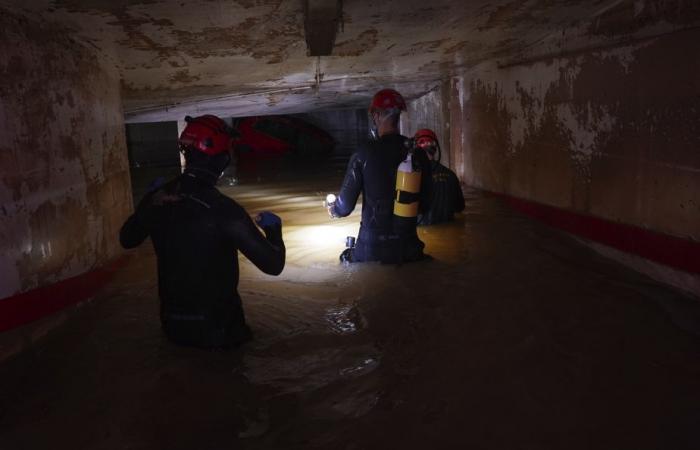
263 137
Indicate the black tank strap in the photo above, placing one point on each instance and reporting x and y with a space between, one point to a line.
407 197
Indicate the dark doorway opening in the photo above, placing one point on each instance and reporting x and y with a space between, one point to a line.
153 154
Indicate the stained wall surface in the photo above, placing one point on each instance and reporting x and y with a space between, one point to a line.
64 180
609 131
431 111
612 133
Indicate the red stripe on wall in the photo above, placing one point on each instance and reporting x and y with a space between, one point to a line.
29 306
682 254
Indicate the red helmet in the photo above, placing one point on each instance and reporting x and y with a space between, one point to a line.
387 99
425 138
208 134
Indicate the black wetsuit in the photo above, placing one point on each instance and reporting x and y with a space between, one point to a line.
372 171
196 232
447 198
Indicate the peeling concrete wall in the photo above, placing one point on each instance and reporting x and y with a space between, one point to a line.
64 180
612 133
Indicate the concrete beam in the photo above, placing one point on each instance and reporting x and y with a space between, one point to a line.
321 21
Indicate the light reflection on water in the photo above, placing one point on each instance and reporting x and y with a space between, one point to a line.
345 319
364 366
309 327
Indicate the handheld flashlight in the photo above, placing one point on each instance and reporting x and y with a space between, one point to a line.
329 203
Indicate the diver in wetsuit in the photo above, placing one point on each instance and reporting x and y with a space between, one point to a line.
196 232
447 198
384 236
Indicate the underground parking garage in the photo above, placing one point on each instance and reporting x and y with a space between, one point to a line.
559 309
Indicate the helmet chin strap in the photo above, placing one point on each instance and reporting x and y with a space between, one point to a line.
373 134
373 129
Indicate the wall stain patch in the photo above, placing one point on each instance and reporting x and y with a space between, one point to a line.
365 42
65 147
184 77
611 133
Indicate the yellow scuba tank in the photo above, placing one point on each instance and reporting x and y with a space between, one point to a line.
407 188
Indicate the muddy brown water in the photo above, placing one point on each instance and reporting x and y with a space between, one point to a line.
514 336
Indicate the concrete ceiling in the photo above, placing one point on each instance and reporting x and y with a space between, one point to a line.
246 57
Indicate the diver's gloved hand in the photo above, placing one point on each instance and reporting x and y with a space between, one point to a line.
266 219
271 225
155 184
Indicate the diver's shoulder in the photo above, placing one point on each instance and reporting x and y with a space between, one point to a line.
227 205
223 200
447 170
365 146
360 154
